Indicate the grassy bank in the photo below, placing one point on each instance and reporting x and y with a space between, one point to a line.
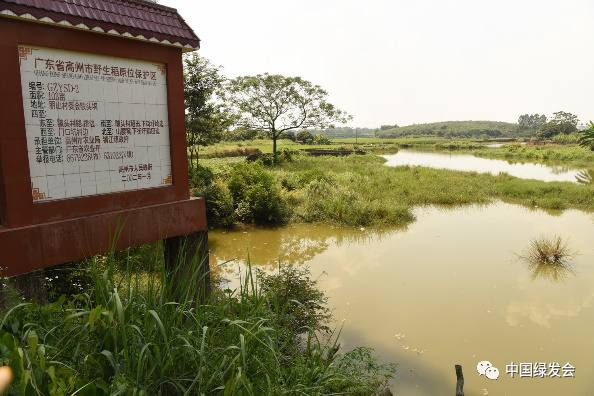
362 191
571 154
140 333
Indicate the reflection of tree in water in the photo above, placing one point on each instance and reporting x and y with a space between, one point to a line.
294 244
585 176
559 170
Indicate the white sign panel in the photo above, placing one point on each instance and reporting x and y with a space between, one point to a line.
95 124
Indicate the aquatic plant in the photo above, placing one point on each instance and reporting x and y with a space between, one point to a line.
548 250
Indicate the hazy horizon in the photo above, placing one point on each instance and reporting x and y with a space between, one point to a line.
395 62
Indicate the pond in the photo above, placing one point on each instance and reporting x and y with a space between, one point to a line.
448 289
467 162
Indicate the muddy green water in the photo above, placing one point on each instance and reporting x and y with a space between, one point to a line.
447 290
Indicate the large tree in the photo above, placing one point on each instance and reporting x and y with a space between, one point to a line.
561 123
275 104
207 117
531 122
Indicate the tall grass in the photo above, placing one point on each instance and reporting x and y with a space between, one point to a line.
362 191
143 333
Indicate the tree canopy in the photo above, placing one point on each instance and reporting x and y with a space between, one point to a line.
207 117
533 122
275 104
561 123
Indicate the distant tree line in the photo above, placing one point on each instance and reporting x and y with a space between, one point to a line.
454 129
345 132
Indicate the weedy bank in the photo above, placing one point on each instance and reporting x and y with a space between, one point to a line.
141 333
359 190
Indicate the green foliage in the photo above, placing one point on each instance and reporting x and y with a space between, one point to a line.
240 134
573 138
231 152
386 127
142 333
457 146
256 197
344 132
361 373
362 191
321 139
275 104
454 129
568 153
561 123
206 117
531 122
304 136
587 138
219 204
296 299
199 176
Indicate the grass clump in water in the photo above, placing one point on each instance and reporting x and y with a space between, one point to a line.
549 250
549 258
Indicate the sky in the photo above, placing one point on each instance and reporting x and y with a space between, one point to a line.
415 61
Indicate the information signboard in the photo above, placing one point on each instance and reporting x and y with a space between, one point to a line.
94 124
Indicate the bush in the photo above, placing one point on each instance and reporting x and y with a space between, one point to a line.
256 198
219 204
321 139
294 292
200 176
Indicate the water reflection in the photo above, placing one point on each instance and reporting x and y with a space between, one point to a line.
556 272
585 176
465 162
293 244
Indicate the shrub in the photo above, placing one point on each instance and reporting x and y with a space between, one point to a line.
256 198
321 139
200 176
296 294
219 204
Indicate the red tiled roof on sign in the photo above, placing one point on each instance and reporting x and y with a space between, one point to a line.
134 18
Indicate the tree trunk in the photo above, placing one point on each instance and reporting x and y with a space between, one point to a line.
274 144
